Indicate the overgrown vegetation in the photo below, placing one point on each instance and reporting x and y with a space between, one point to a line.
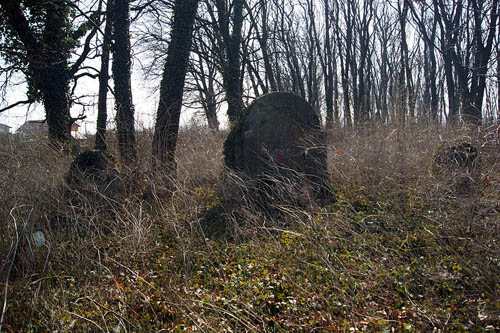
398 250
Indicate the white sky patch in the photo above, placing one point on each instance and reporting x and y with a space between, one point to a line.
144 97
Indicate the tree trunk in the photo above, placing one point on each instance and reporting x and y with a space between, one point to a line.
48 66
482 54
448 67
325 58
331 117
123 86
172 86
211 109
232 69
433 75
498 76
404 88
102 114
345 60
55 84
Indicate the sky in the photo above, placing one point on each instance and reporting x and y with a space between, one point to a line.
144 97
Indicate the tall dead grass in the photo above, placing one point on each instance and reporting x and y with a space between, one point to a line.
381 175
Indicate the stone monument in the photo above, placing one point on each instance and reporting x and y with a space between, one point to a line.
279 135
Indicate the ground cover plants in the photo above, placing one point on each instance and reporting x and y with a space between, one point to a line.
398 251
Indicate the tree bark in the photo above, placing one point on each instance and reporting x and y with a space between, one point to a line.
47 63
331 117
123 87
446 45
232 68
434 102
345 60
172 86
55 84
211 109
102 114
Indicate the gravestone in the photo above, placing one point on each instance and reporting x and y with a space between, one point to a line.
279 135
458 165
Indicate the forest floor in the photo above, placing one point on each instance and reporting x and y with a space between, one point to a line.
398 251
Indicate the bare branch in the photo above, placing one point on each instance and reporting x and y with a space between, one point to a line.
29 101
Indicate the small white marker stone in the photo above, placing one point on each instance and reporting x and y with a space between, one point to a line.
39 238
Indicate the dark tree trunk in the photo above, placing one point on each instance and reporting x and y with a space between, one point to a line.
102 114
482 56
351 60
211 109
55 81
364 66
48 66
498 76
331 117
123 86
345 60
232 46
336 94
384 82
404 80
434 102
265 52
446 45
234 93
172 85
310 64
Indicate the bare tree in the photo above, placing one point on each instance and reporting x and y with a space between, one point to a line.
329 70
386 40
203 70
344 37
102 114
227 15
123 86
467 32
172 85
38 40
261 29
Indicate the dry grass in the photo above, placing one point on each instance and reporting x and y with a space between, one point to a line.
398 250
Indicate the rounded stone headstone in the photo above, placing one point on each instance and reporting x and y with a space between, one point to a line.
280 133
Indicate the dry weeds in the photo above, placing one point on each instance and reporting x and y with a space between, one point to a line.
398 250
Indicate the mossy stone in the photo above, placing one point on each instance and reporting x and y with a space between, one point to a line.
279 134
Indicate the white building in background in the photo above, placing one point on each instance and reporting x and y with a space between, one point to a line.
39 128
4 128
33 129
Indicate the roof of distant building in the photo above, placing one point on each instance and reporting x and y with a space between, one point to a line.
32 127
